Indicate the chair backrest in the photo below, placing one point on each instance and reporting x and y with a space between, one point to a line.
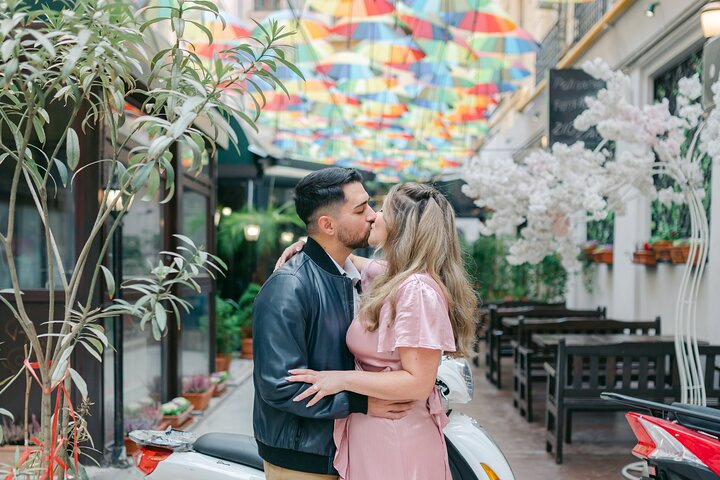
497 314
644 370
586 325
710 359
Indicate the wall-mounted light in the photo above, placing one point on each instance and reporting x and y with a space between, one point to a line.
710 19
252 232
226 211
544 142
650 10
110 195
287 237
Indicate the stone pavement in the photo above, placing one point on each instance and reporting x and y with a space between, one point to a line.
231 413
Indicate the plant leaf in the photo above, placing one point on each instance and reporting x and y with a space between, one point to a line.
79 383
72 147
109 280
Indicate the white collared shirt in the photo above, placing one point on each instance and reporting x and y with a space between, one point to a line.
351 271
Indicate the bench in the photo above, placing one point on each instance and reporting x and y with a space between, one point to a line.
528 360
644 370
483 325
497 339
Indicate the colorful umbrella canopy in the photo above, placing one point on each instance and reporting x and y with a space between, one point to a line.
397 52
515 42
446 5
379 27
490 19
368 85
449 52
347 65
352 8
310 25
424 25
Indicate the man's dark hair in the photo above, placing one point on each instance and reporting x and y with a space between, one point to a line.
321 189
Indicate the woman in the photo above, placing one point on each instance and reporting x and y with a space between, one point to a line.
418 306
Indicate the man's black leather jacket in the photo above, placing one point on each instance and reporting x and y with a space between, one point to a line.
300 320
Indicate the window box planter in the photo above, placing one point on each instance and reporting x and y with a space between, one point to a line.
644 257
219 379
662 250
603 255
176 412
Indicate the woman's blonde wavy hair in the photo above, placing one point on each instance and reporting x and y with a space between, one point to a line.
422 238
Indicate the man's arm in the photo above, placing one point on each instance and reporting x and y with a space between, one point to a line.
279 322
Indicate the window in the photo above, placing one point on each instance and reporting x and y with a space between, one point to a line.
29 246
673 222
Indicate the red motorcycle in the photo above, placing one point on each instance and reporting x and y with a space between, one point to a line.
677 441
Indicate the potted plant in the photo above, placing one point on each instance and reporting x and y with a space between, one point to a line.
219 380
176 412
227 332
140 416
198 390
13 440
245 309
644 255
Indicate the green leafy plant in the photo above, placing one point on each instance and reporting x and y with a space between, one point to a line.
81 61
245 309
227 326
494 279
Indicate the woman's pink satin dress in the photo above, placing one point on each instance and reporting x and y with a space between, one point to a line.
412 448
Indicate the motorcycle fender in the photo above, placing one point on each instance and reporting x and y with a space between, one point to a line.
193 465
477 447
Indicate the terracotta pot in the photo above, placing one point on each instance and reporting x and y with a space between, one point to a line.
130 446
200 401
222 362
220 388
247 348
644 257
7 454
177 420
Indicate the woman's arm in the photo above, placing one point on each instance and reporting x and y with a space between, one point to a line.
414 382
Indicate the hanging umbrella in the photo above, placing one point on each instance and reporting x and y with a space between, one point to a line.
310 25
489 19
445 80
368 85
400 51
310 53
516 42
300 87
487 75
448 52
492 88
346 65
423 24
446 5
352 8
380 27
281 102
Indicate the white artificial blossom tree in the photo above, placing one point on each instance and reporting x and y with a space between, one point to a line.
549 193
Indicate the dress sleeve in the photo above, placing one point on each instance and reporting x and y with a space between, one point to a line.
370 271
421 318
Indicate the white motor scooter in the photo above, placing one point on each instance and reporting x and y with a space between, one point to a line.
178 455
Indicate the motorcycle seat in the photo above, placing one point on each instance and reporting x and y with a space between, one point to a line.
708 426
232 447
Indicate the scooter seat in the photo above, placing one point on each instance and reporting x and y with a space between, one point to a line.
705 425
232 447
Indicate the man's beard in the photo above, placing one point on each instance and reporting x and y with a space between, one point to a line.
357 241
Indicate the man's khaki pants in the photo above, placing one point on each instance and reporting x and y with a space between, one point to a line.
273 472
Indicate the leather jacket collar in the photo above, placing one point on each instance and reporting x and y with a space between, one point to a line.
318 255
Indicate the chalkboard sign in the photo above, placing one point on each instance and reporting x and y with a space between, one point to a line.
567 91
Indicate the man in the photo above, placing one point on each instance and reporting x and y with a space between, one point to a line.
300 319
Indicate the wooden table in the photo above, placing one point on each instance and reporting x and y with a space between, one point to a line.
546 340
511 323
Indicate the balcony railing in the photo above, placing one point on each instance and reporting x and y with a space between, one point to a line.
588 14
549 54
